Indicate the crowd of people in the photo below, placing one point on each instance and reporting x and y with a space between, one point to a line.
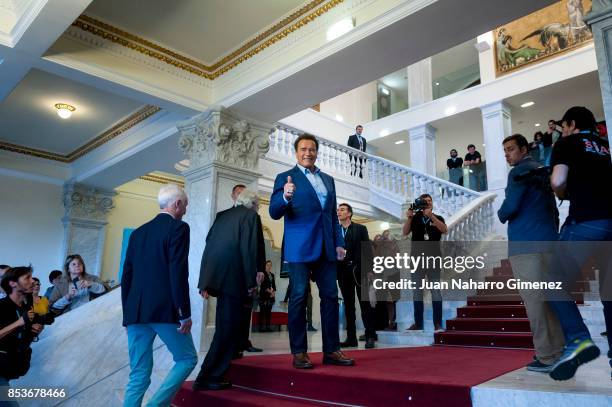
322 244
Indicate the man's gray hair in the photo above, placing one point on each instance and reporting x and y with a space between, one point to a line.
170 193
247 198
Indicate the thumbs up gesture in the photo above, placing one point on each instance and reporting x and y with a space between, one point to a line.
289 189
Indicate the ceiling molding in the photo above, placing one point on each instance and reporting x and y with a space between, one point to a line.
296 20
161 179
99 140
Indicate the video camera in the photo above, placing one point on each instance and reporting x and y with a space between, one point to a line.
418 205
46 319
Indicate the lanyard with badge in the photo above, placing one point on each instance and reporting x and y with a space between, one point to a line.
426 222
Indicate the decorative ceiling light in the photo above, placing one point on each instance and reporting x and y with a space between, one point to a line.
340 28
339 117
384 90
384 226
400 141
527 104
537 124
437 83
64 110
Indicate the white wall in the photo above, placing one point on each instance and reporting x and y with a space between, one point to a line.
354 106
135 204
32 230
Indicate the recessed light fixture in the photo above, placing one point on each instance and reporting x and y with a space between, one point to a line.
384 90
450 110
527 104
340 28
339 117
384 226
400 141
437 83
537 124
384 132
64 110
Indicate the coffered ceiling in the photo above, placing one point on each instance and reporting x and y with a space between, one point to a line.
202 29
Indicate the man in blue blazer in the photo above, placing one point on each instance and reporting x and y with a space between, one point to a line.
155 299
306 198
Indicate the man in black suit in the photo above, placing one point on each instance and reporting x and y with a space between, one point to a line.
244 344
356 240
357 141
232 266
155 298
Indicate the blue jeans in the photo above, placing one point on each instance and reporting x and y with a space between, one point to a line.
570 260
140 344
324 273
4 384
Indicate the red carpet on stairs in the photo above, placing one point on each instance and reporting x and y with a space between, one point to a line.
494 318
423 376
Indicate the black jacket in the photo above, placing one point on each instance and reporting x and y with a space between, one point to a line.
234 253
353 141
356 241
154 283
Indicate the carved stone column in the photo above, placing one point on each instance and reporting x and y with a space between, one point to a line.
85 213
600 20
223 150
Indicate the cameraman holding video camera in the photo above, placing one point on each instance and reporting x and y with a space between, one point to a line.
425 226
17 330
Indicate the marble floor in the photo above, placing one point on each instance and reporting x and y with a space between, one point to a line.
590 387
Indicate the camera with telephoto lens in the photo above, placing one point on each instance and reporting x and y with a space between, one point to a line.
418 205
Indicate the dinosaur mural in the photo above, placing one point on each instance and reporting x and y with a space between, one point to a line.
557 28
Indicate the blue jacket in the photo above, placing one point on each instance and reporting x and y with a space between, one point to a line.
309 229
529 208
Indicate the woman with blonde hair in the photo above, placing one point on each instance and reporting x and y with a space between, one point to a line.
76 286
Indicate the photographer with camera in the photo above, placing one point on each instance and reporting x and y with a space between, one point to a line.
530 210
425 226
17 326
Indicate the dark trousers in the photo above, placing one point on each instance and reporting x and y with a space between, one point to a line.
436 297
245 324
324 273
265 314
230 310
308 301
350 283
570 259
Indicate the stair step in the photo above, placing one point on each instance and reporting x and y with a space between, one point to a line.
492 311
489 324
501 271
236 396
488 339
509 299
495 299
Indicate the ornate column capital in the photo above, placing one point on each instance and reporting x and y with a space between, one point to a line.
83 202
221 136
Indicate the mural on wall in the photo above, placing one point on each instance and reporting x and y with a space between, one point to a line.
550 31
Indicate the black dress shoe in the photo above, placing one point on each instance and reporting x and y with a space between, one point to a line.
362 338
253 349
237 355
349 343
370 343
337 358
220 384
311 328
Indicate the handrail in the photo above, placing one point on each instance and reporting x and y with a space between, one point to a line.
387 178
